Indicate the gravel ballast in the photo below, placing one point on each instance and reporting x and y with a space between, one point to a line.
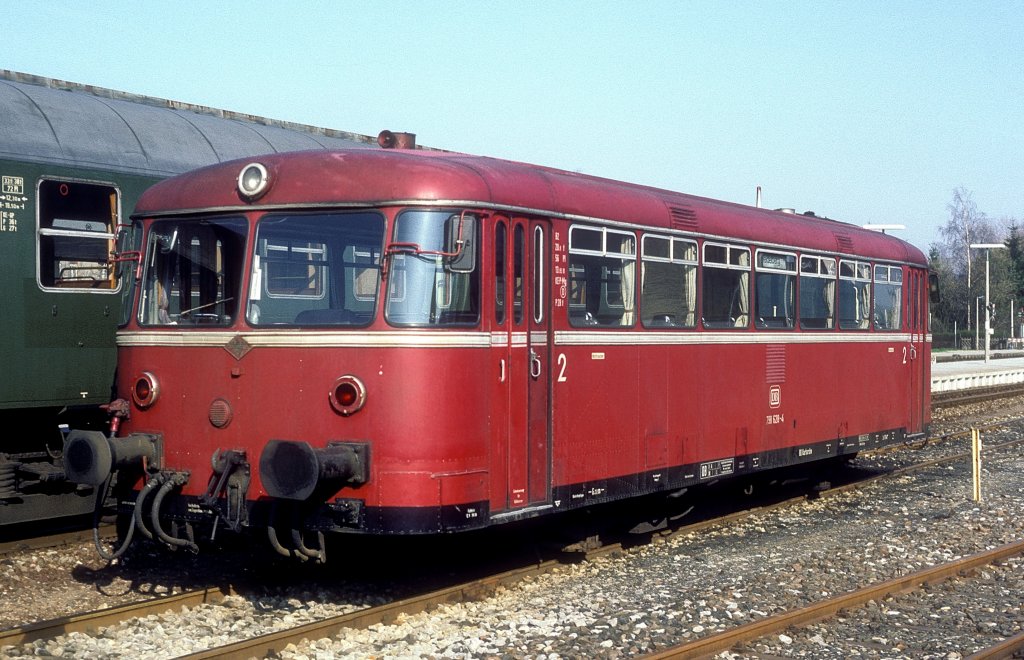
639 601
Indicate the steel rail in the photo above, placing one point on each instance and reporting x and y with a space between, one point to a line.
93 621
726 640
975 395
56 540
275 642
475 589
264 645
1008 648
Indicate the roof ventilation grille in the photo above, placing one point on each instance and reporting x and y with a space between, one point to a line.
683 217
844 242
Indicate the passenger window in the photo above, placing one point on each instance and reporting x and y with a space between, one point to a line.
77 232
499 272
538 262
668 293
854 295
888 297
817 293
518 257
775 290
602 265
726 287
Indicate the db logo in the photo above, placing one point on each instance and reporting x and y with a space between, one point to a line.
775 396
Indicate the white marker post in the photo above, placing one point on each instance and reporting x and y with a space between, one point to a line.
976 462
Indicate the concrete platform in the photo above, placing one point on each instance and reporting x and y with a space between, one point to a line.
964 370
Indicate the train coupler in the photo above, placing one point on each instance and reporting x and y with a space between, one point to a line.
227 488
90 457
294 470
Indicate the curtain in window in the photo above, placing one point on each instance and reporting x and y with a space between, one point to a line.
830 302
744 297
690 295
627 285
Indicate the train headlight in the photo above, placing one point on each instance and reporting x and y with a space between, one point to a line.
253 181
348 395
145 390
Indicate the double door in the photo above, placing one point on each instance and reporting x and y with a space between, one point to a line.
914 354
521 350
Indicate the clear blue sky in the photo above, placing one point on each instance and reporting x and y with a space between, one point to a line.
862 111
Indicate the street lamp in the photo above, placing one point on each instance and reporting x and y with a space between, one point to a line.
988 316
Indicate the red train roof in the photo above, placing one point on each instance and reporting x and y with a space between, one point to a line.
380 177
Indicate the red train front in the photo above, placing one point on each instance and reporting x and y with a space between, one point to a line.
407 342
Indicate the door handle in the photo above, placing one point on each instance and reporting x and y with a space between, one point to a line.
534 364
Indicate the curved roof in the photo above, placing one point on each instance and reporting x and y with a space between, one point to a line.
385 176
52 121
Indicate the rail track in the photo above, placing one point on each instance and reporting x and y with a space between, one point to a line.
975 395
477 589
713 644
57 540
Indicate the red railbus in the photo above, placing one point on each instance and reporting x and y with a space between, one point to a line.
399 341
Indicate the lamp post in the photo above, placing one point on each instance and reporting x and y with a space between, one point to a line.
988 316
977 321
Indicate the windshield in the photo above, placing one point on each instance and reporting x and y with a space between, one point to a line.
193 272
316 270
422 287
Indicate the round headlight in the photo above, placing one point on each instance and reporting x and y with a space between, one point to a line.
145 390
253 181
348 395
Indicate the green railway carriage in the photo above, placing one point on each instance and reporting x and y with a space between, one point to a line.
73 161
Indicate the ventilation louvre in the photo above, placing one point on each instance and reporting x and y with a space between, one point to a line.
682 217
843 241
775 364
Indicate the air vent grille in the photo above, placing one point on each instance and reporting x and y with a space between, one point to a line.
683 217
775 364
844 242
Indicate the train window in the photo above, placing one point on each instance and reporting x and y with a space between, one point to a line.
775 290
602 263
817 293
888 297
518 255
316 269
668 289
854 294
294 268
726 286
193 272
77 231
538 274
422 289
500 233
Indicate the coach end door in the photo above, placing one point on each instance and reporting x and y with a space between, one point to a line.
915 355
528 364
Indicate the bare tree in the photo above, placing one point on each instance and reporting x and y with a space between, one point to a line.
966 225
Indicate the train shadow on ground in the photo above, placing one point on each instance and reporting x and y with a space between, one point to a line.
399 566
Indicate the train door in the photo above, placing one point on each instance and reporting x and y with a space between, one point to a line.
529 358
915 354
